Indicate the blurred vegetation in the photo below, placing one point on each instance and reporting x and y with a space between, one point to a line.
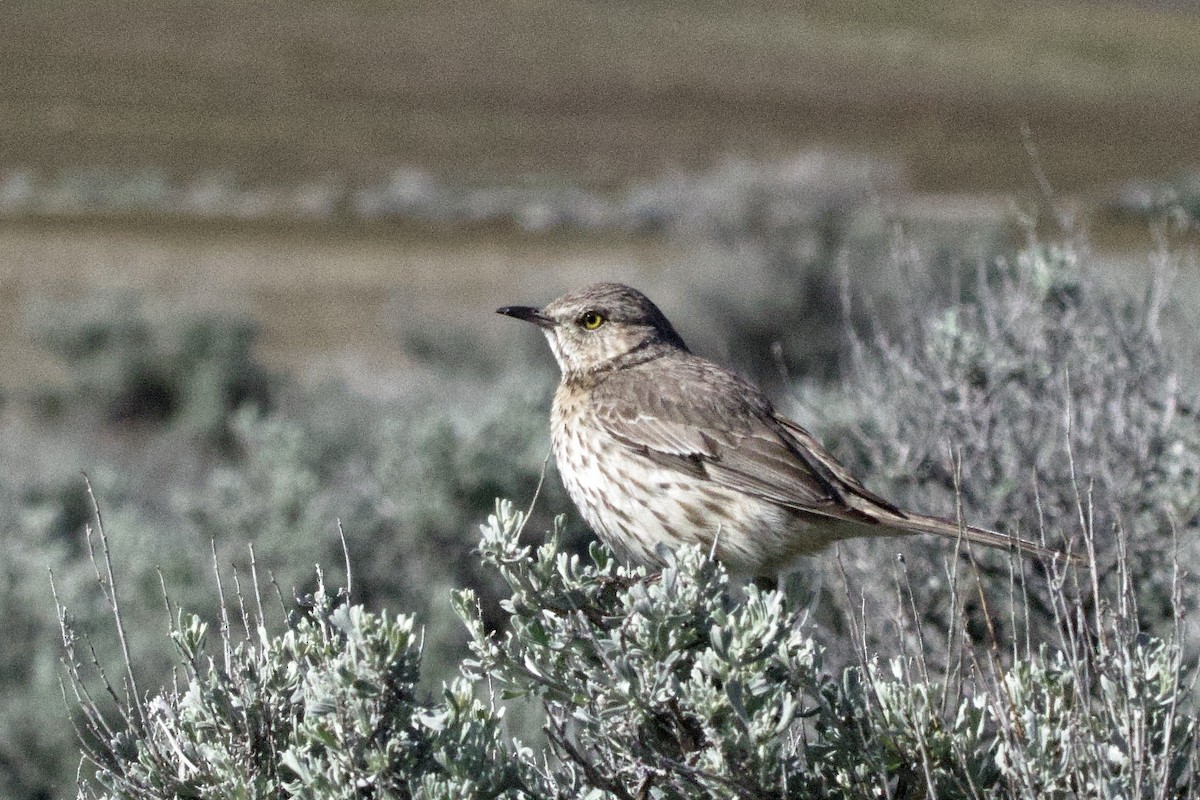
177 367
1011 382
1041 405
953 372
193 482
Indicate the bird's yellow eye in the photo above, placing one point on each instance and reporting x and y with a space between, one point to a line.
591 320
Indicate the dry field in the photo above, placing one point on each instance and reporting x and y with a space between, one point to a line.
328 303
595 93
600 91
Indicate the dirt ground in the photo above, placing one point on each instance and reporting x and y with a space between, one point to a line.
328 303
598 92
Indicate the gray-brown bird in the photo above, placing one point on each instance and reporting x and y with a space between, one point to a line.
658 446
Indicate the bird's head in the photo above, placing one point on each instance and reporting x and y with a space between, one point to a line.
605 326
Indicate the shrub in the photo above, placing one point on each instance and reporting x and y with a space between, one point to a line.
406 476
960 407
328 709
666 687
767 244
1045 405
190 368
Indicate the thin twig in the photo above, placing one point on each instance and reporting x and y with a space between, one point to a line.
346 558
225 646
262 617
110 593
537 492
1045 188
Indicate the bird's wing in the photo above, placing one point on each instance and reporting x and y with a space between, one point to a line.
851 485
729 433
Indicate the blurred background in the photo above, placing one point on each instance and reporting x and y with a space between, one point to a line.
336 170
250 251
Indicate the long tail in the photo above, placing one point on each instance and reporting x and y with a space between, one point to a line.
919 523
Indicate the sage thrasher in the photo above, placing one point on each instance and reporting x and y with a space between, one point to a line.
658 446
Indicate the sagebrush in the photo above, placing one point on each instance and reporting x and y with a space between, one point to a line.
663 686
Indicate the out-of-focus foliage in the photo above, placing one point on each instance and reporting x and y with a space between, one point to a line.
408 479
1043 402
1177 200
183 367
986 379
780 247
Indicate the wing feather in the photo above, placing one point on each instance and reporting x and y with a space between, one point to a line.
730 434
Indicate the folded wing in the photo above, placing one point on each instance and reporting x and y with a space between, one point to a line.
731 435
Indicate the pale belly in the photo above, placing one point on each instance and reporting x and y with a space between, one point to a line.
638 507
